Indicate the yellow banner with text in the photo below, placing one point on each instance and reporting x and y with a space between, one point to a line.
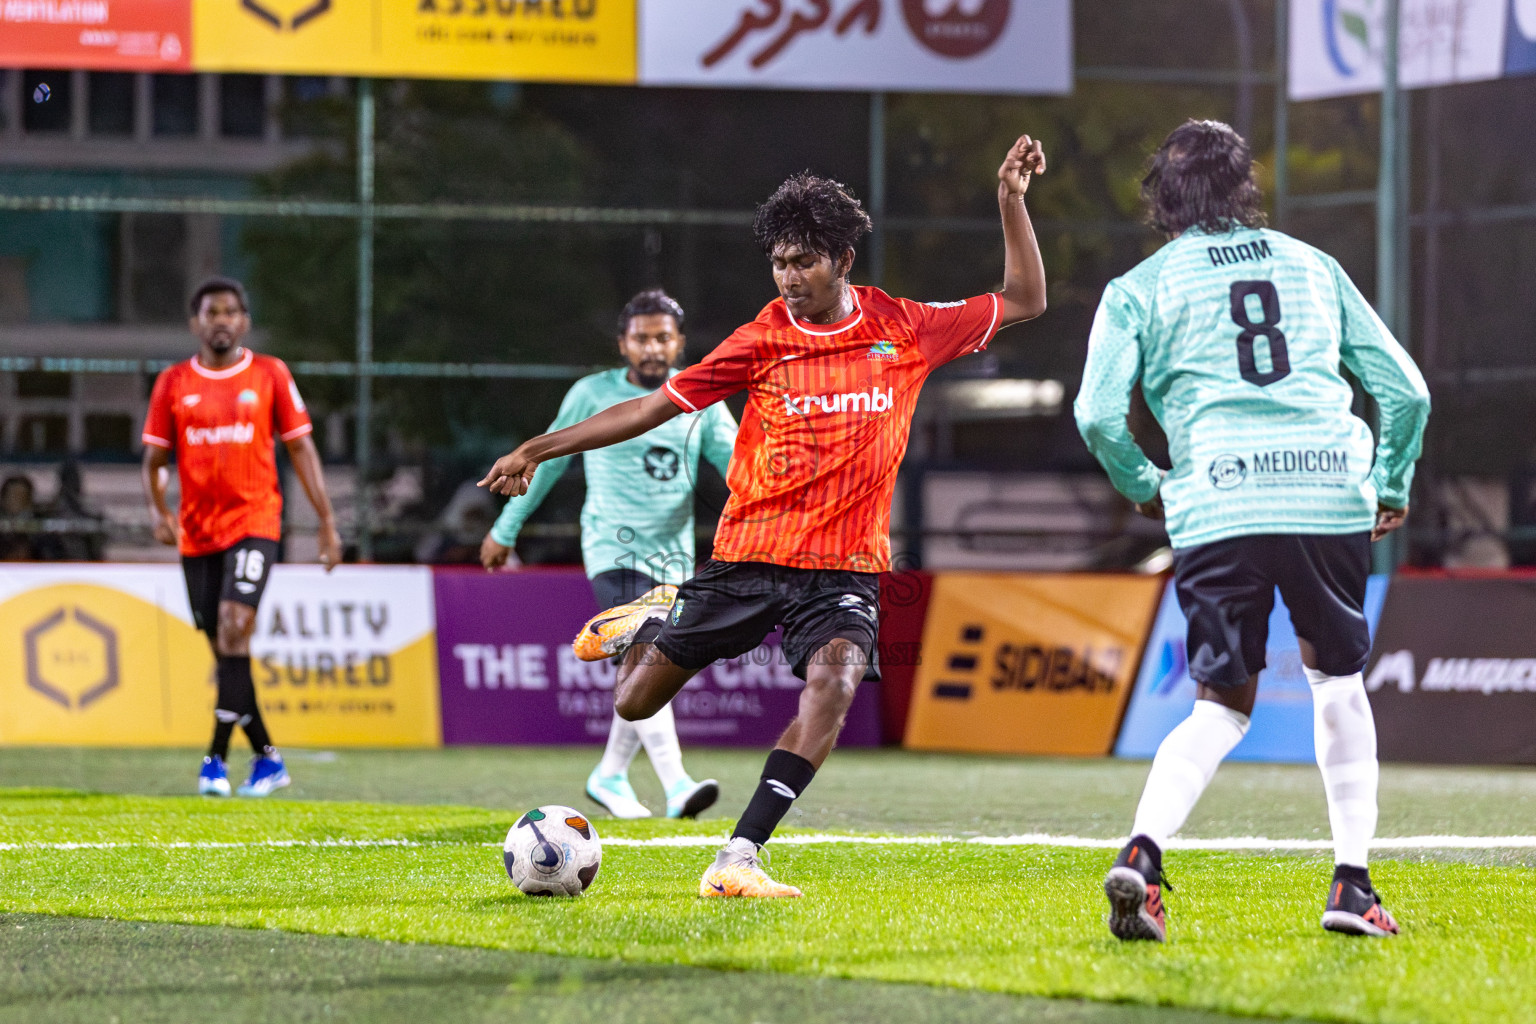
1029 664
537 40
108 656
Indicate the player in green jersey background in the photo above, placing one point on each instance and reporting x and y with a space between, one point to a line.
636 527
1236 334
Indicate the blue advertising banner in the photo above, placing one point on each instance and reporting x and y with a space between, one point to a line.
1520 38
1282 717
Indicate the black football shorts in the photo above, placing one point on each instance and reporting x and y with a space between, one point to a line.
238 573
727 608
1227 591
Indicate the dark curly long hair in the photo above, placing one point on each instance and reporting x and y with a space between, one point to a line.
818 214
1202 176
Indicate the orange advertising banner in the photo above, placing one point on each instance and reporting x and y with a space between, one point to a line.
102 35
1018 663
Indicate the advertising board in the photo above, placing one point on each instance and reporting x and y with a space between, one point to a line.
1281 728
509 675
1336 46
1028 663
1452 677
108 655
348 657
100 35
549 40
985 46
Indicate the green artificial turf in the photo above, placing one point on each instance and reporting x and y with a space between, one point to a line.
1024 920
873 790
68 970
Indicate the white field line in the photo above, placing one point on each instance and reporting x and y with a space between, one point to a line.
1435 842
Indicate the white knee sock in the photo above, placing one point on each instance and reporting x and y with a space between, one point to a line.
659 734
1185 763
1344 733
623 743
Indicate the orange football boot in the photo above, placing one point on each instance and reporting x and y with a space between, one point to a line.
738 871
611 632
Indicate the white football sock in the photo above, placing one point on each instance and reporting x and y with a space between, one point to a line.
659 734
1344 733
623 744
1185 763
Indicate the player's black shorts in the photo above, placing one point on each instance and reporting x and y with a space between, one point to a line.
620 586
727 608
1227 590
238 573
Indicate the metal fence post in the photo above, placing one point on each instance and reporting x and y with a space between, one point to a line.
365 228
1282 108
877 188
1384 554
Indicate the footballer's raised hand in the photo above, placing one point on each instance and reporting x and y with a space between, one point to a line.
511 475
1025 158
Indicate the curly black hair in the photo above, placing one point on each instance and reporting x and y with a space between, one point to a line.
652 300
1202 176
819 214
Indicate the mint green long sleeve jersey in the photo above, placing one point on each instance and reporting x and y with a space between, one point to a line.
638 512
1237 340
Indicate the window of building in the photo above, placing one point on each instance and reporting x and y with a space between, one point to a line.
45 97
43 384
111 103
175 105
43 435
153 260
243 106
15 307
309 107
108 433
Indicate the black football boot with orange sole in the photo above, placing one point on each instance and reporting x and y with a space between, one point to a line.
1135 890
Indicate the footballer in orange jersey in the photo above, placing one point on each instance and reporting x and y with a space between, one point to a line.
219 414
832 373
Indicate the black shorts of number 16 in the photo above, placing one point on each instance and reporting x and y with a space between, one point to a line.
238 573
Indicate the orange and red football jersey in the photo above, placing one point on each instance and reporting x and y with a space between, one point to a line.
828 412
220 425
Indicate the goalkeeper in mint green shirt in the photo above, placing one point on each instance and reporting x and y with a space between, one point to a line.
1236 334
636 527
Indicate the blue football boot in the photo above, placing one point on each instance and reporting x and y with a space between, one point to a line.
213 780
267 773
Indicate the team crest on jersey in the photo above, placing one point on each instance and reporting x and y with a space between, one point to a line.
1228 471
677 610
248 397
661 463
883 349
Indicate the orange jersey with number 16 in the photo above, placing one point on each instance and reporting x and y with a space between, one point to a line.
828 412
220 425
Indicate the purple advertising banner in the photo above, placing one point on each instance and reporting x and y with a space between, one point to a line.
509 676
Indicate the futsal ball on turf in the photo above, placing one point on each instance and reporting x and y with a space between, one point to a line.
552 851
